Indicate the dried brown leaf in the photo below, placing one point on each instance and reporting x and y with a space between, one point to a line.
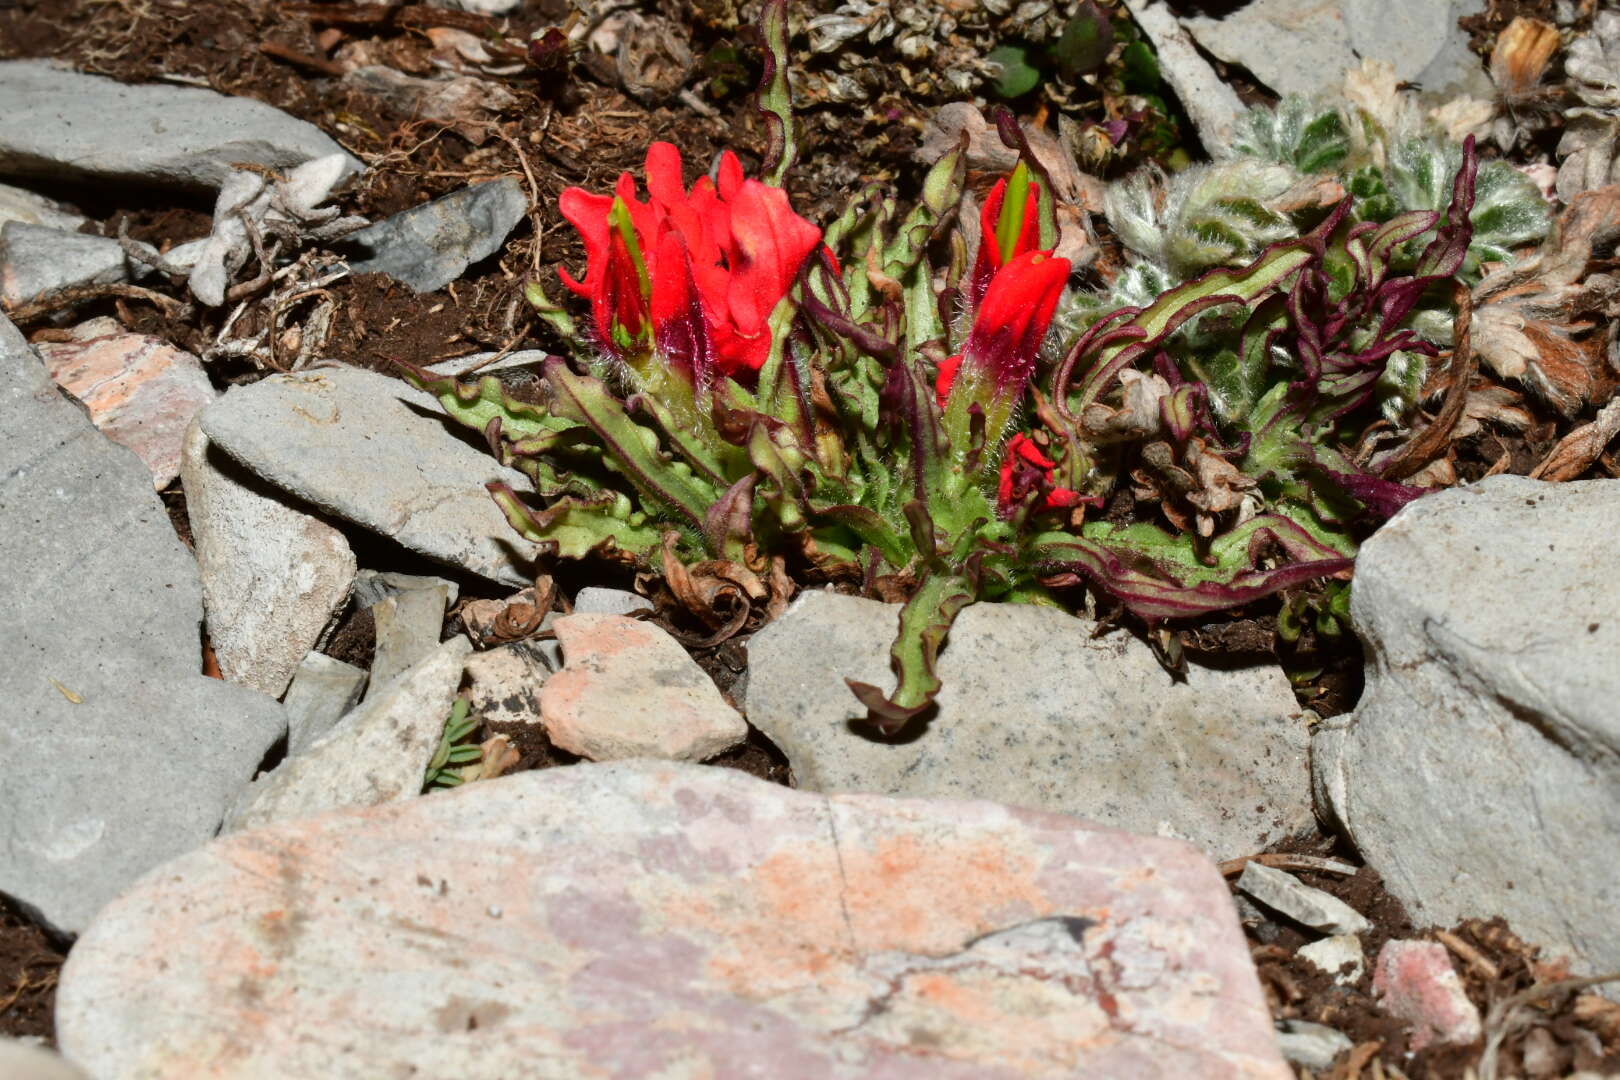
1576 451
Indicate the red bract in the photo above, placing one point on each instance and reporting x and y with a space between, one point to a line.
1024 232
1009 326
1025 469
694 274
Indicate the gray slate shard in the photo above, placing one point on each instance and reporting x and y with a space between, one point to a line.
429 246
1480 771
38 260
378 452
1039 712
322 690
62 124
116 753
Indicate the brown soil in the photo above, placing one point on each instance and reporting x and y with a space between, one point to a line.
29 961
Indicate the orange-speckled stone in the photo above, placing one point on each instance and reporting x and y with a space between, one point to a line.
141 391
649 919
628 689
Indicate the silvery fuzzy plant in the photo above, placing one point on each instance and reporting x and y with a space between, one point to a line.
1293 163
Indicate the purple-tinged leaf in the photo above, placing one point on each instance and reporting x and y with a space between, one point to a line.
925 620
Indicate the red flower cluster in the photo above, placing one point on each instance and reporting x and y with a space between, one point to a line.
1025 469
693 274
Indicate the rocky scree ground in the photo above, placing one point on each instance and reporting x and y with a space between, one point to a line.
372 85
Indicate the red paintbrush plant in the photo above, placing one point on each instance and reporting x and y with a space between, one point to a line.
759 396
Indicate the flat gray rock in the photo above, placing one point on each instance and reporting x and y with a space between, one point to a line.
30 208
61 124
116 752
1480 773
377 753
380 453
1213 107
429 246
272 575
1304 46
38 260
1037 712
647 919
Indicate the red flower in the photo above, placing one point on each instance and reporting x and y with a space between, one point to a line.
1009 326
693 274
1025 469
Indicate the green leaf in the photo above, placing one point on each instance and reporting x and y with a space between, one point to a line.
1084 44
775 96
1141 68
1018 74
924 621
631 447
579 527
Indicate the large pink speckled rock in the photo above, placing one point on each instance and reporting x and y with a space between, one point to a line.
141 391
627 689
644 919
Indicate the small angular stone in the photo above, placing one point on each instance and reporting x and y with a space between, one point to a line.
38 260
141 391
504 684
598 601
273 576
377 753
378 452
1039 709
1315 1046
323 689
29 208
409 625
650 919
1285 893
628 689
429 246
1339 955
1415 981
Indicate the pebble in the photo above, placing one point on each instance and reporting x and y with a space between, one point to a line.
671 920
272 575
1415 982
1287 895
1315 1046
1339 955
504 684
60 124
597 601
1480 773
123 755
376 753
1038 711
141 391
372 587
376 451
628 689
429 246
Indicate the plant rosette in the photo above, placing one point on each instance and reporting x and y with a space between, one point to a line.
758 399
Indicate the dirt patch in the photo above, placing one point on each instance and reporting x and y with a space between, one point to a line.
1561 1033
29 962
